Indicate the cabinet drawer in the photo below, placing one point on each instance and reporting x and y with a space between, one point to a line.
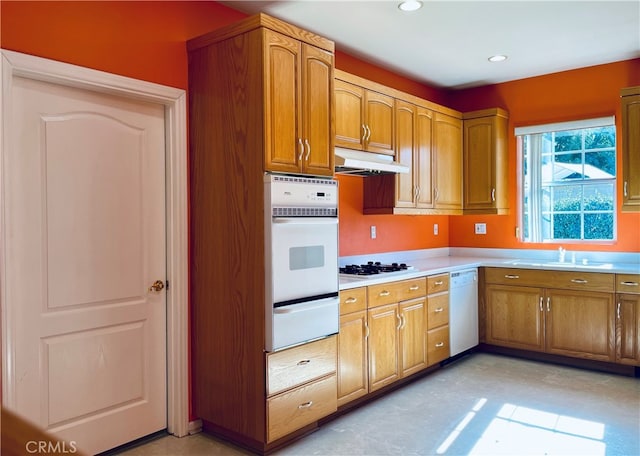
301 406
437 345
295 366
576 280
437 310
353 300
514 276
388 293
437 283
628 283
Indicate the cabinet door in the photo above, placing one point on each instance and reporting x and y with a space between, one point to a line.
514 317
631 151
353 381
383 323
580 324
628 329
349 122
284 148
447 162
412 336
406 185
379 121
317 105
479 164
422 158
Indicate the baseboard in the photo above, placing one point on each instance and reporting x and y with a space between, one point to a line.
194 427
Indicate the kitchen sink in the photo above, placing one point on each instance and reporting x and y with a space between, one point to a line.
566 264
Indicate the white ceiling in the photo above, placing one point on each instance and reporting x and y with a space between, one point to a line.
446 43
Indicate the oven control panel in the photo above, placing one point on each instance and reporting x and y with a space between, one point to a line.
293 191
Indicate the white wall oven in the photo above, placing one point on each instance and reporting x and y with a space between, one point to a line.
301 239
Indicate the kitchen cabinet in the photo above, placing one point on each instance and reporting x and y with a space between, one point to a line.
447 163
564 313
437 337
628 319
298 106
364 118
353 370
485 162
395 318
250 106
630 98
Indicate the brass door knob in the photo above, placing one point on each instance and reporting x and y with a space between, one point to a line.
157 286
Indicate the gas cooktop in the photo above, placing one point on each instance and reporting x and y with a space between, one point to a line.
372 269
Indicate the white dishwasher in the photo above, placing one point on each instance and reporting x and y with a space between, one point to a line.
463 310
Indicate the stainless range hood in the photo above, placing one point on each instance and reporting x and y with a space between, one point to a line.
358 163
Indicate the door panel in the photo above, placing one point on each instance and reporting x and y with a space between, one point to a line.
85 216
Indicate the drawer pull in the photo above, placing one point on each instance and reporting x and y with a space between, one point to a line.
384 293
439 309
440 345
629 284
439 282
305 405
414 287
304 362
580 281
511 276
350 300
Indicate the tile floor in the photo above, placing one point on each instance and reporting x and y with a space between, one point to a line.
482 404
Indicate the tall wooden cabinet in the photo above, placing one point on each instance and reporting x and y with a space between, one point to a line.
485 162
260 99
630 149
447 163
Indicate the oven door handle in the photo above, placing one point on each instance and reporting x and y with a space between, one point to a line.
306 220
303 307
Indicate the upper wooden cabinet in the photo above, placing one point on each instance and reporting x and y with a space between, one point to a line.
298 106
447 163
630 149
485 162
364 119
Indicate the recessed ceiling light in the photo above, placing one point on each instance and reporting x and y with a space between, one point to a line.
410 5
497 58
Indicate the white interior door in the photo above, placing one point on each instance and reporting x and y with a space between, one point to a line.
85 239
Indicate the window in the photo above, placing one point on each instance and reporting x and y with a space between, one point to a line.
568 181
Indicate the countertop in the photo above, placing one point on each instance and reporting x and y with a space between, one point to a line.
445 264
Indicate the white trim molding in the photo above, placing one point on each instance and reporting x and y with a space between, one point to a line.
14 64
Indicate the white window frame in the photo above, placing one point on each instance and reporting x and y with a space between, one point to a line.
537 237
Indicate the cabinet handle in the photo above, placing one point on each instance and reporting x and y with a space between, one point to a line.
629 284
304 362
625 189
618 310
305 405
384 293
414 287
350 300
435 194
511 276
364 132
541 299
440 345
493 194
438 282
368 132
438 310
548 304
306 143
301 146
580 281
366 330
399 321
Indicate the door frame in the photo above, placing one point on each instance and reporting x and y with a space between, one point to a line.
15 64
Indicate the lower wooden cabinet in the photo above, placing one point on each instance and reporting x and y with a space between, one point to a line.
628 319
301 386
384 343
353 368
574 318
437 337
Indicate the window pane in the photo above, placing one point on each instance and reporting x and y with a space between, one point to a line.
568 140
601 164
567 198
598 197
598 226
599 138
566 226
